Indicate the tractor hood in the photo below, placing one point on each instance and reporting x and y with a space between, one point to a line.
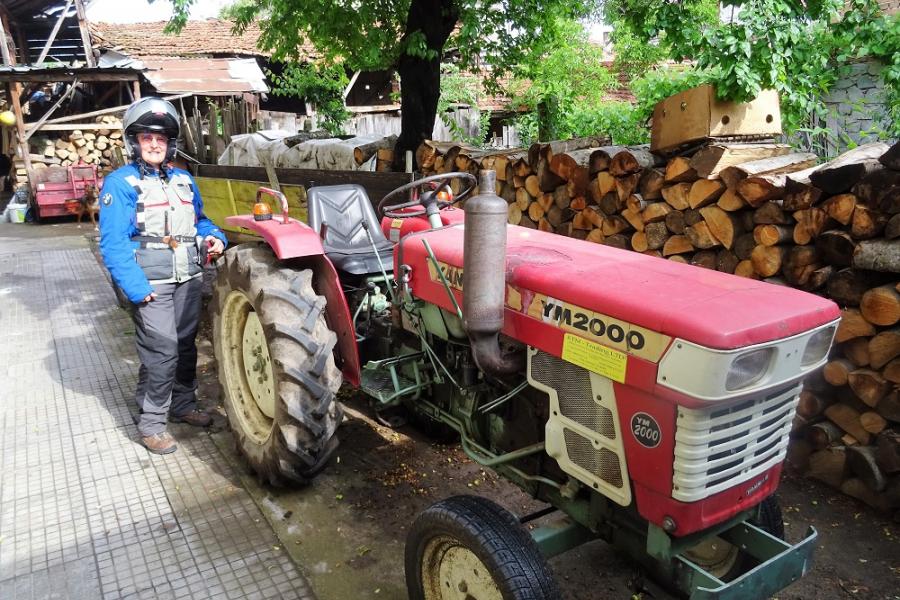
584 287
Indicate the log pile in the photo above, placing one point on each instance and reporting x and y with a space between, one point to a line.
92 147
761 211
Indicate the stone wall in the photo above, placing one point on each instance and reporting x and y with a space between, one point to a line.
857 108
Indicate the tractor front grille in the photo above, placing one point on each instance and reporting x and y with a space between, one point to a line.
582 431
573 388
718 447
600 462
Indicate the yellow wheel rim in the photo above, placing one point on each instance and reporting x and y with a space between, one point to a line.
247 368
450 571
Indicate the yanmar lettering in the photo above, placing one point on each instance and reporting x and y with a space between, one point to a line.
603 329
453 275
593 324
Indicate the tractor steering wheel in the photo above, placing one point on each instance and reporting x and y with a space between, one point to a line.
428 188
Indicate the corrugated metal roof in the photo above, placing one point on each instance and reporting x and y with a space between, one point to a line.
31 8
211 76
57 72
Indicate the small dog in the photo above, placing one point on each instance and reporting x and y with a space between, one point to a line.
89 204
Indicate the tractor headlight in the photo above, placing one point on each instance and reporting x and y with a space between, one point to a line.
713 374
817 346
748 368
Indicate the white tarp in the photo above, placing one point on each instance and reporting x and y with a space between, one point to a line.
268 147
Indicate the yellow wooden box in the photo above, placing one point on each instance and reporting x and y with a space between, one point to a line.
696 114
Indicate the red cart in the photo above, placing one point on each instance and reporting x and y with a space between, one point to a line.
63 188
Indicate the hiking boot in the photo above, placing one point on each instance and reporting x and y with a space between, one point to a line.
159 443
195 418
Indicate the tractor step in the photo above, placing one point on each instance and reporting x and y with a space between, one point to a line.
382 380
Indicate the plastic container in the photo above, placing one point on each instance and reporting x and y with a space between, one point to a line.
16 212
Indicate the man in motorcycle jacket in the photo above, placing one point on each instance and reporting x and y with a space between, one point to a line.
155 241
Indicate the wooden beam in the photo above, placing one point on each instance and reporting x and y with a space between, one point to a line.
4 44
107 111
85 34
137 89
350 85
74 126
59 21
42 76
15 90
21 48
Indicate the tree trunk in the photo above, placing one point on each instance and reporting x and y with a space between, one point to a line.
420 78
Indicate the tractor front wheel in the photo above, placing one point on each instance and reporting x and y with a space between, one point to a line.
727 562
276 365
466 547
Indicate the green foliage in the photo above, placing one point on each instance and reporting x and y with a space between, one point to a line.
622 121
527 127
796 48
320 83
562 84
635 54
569 72
372 35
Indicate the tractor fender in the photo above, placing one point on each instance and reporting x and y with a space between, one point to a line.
297 240
288 239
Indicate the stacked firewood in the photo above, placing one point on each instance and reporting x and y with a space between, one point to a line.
96 147
92 147
538 196
761 211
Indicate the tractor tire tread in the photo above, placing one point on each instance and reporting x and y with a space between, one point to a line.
301 349
770 518
494 535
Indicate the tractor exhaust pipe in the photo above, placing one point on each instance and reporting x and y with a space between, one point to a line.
484 278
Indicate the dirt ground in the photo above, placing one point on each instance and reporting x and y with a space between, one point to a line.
347 529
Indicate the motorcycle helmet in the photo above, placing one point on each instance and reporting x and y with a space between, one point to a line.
151 114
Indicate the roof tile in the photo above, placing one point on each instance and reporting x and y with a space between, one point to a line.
198 38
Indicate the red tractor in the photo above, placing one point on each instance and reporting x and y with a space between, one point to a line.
649 402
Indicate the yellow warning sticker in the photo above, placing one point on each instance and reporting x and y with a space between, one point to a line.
396 224
594 357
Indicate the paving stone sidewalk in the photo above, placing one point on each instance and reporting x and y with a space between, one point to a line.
85 511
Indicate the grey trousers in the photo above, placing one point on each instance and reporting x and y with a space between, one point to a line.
165 333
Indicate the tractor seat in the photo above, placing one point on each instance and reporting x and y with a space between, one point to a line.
343 209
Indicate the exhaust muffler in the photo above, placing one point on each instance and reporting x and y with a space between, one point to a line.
484 279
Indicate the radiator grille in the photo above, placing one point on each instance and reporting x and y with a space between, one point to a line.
573 388
721 446
599 461
582 431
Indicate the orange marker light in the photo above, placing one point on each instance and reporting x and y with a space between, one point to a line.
262 212
445 195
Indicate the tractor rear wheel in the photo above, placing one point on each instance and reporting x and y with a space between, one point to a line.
276 365
466 547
